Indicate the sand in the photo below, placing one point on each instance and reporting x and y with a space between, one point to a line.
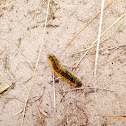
21 32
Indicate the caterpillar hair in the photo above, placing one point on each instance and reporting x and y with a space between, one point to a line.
62 72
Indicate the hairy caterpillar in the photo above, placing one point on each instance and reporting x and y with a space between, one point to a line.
63 73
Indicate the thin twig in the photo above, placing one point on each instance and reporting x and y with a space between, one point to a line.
95 44
84 28
114 58
98 43
88 88
100 36
54 99
40 50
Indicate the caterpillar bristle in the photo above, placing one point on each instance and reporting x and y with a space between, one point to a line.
62 72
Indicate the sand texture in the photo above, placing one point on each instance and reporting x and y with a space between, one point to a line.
56 102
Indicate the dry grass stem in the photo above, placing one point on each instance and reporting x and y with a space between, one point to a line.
40 50
100 36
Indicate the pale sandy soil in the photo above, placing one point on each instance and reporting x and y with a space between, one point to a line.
21 31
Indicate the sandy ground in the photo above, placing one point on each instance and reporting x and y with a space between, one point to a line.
21 31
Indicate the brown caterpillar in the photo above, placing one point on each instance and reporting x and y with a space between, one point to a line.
63 73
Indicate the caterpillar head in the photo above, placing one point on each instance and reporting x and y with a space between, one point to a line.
51 57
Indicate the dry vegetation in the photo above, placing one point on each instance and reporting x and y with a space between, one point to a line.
31 94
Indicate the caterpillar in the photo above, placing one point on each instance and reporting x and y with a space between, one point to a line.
62 72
